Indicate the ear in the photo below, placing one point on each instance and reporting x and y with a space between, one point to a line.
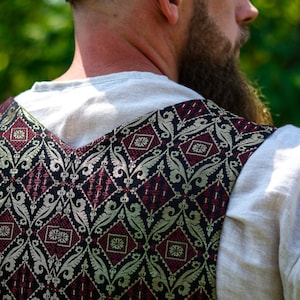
170 9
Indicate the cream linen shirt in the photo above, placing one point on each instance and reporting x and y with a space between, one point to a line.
260 243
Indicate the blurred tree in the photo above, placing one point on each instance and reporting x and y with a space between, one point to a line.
36 43
272 57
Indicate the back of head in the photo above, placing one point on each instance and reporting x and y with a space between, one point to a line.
178 39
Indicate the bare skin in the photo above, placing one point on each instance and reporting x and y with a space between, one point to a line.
105 43
230 15
143 35
186 40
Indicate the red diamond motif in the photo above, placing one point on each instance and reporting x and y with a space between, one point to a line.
99 187
155 192
58 236
9 230
142 141
37 181
117 243
192 109
176 250
243 125
243 157
213 201
82 288
22 284
199 148
19 134
199 295
138 291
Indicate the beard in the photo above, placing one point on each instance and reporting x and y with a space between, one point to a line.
210 66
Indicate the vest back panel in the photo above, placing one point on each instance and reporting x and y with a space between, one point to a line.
137 214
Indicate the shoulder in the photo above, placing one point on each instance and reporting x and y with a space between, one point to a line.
278 157
273 168
261 229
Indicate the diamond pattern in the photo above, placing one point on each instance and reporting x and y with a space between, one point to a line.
140 142
133 248
199 148
9 230
117 243
176 250
213 201
22 284
37 181
191 109
19 134
139 291
99 187
243 157
155 192
199 295
58 236
243 125
82 288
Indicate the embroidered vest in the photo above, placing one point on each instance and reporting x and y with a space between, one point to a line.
137 214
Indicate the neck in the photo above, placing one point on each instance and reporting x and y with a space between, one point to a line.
106 52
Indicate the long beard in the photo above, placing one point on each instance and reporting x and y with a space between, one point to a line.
210 67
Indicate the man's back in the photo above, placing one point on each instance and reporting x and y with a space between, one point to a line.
137 207
127 213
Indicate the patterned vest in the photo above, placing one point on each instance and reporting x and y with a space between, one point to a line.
137 214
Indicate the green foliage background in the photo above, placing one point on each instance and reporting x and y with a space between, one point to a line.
36 44
272 57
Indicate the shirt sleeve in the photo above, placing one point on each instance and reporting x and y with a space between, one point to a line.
260 243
